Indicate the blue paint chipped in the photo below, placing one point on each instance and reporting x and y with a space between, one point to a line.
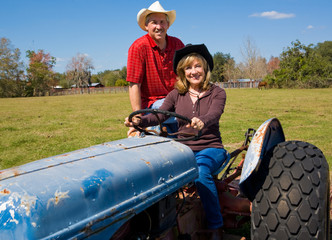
92 184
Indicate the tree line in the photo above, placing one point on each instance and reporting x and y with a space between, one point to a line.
298 66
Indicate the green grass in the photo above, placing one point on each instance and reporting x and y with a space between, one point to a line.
305 114
35 128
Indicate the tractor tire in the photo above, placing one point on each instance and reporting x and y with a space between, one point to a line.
293 202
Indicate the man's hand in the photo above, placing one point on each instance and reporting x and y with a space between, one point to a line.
136 120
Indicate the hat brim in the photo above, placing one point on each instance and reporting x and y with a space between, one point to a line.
141 16
200 49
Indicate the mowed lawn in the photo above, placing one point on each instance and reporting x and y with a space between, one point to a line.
35 128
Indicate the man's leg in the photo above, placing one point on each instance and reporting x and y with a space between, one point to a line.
171 123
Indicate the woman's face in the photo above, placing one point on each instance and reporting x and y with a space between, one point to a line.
194 73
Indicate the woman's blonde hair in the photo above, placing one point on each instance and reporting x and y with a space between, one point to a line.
182 84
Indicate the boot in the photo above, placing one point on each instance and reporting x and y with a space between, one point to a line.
217 234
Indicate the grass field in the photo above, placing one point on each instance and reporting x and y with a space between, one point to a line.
35 128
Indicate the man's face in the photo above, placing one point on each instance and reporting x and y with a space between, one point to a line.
157 26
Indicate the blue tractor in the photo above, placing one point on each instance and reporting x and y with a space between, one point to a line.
142 188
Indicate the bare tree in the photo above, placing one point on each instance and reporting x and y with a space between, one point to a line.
254 65
231 70
79 71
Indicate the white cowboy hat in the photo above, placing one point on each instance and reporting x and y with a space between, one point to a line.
154 8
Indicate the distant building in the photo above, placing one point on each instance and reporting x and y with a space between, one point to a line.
92 85
96 85
58 88
244 80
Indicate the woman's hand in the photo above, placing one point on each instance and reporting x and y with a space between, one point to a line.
136 120
196 123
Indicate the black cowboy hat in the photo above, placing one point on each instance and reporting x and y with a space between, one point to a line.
201 49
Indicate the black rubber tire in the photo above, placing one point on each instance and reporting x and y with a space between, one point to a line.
293 202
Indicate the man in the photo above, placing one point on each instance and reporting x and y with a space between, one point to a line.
150 58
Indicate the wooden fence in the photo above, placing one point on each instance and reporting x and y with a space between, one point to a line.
103 90
100 90
237 84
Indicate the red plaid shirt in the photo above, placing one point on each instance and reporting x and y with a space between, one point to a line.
152 68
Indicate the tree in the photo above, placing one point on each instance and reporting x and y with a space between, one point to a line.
231 70
123 73
61 79
11 70
325 50
219 61
40 72
302 66
79 71
273 64
109 78
121 82
254 65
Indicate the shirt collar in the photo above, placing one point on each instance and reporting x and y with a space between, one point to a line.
154 45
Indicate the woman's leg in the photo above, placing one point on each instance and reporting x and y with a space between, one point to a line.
208 161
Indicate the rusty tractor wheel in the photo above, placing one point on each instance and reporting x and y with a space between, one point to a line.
293 202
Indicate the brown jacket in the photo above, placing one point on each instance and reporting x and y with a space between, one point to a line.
208 109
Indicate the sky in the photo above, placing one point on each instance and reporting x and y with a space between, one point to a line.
103 30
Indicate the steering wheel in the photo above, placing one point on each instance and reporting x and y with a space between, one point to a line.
164 133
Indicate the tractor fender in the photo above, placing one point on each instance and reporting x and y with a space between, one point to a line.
268 135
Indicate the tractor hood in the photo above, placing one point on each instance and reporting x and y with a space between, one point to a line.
91 192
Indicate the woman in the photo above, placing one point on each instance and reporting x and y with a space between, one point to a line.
202 102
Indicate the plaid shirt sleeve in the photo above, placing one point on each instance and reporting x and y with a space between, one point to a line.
135 63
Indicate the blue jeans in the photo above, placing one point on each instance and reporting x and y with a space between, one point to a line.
171 123
209 161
